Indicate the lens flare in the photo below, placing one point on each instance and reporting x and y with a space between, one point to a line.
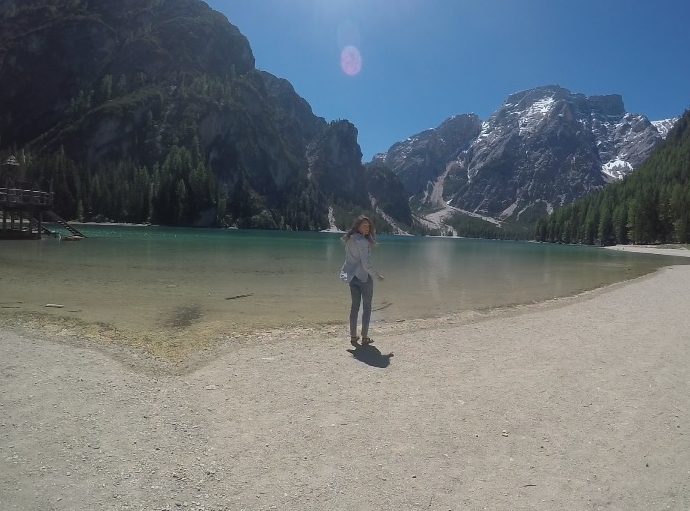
350 61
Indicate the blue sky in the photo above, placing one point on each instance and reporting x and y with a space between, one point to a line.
425 60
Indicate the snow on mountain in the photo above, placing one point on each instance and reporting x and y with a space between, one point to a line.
530 119
624 144
616 169
663 126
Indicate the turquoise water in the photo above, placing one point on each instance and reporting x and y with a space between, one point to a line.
155 282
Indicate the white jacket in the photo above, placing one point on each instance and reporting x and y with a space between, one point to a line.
357 264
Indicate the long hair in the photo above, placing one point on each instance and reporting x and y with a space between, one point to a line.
371 237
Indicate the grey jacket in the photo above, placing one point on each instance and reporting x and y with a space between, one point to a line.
357 264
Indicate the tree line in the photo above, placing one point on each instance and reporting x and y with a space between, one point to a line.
176 191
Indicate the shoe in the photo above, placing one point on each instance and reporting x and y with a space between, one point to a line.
367 340
353 341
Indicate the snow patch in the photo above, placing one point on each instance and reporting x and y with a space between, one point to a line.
536 113
486 127
616 169
663 126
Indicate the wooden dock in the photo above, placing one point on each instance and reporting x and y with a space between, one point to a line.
22 212
25 213
22 206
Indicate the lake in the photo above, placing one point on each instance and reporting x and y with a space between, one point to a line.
148 284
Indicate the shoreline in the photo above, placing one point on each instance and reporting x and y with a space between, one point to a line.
659 249
663 249
575 404
175 356
675 251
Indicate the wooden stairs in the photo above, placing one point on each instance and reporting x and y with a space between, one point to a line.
55 218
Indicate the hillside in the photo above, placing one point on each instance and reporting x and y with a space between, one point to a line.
652 205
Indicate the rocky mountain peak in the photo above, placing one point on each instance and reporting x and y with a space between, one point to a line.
423 157
523 99
608 106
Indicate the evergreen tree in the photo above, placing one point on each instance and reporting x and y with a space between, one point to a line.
605 231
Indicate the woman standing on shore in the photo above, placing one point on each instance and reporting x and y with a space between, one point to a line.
359 273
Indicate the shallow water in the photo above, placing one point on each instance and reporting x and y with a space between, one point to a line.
154 282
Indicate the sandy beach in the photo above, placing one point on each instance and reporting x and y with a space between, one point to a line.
577 404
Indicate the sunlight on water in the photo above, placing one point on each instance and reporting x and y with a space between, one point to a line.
184 284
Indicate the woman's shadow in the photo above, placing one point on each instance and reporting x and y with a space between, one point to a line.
370 355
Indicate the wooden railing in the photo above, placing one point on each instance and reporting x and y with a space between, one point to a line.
14 197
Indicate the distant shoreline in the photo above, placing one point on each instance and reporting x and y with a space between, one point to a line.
666 250
117 224
676 250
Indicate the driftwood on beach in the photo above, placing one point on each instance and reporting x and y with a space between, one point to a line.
239 296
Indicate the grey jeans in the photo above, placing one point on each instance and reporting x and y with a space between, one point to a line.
361 292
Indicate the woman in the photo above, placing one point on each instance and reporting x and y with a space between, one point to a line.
359 273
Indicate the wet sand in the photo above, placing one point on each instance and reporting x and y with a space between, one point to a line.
578 403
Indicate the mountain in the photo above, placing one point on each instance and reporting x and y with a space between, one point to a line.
153 110
543 148
650 206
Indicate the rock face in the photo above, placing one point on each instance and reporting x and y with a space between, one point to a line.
423 157
541 149
335 163
50 51
151 110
